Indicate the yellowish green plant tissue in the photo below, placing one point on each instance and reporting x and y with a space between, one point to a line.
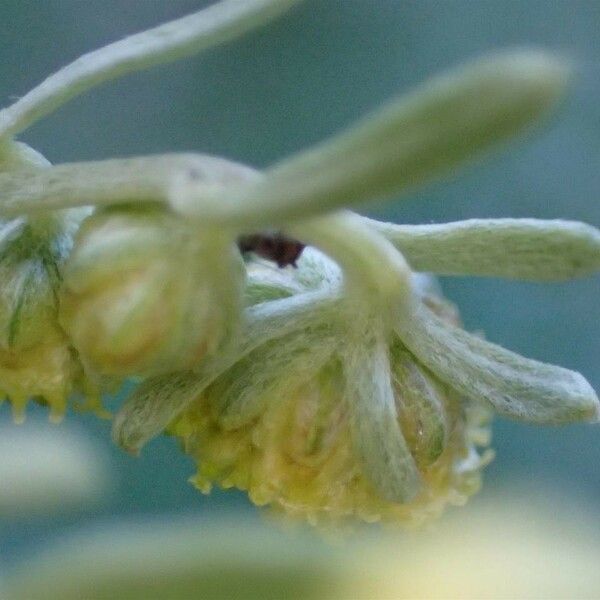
319 368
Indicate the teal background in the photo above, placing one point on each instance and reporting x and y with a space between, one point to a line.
291 84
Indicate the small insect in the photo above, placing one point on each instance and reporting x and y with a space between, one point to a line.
272 246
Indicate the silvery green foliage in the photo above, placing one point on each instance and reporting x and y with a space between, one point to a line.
168 302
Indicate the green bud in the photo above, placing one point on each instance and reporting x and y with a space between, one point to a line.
145 293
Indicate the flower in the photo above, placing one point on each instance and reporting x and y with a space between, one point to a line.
281 423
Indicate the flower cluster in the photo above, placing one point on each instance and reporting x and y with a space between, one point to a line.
331 382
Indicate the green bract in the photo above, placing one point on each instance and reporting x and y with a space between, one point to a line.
345 388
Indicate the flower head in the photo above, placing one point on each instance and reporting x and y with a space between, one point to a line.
291 424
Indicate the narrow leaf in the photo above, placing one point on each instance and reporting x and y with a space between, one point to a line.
418 137
516 387
528 249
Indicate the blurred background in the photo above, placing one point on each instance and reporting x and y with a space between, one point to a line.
280 89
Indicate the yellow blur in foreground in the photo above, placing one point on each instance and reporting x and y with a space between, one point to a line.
523 545
517 546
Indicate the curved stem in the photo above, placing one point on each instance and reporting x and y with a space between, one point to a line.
216 24
431 131
528 249
374 270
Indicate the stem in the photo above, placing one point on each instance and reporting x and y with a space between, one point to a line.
214 25
118 181
528 249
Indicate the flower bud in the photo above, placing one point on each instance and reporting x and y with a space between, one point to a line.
36 359
145 293
294 424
